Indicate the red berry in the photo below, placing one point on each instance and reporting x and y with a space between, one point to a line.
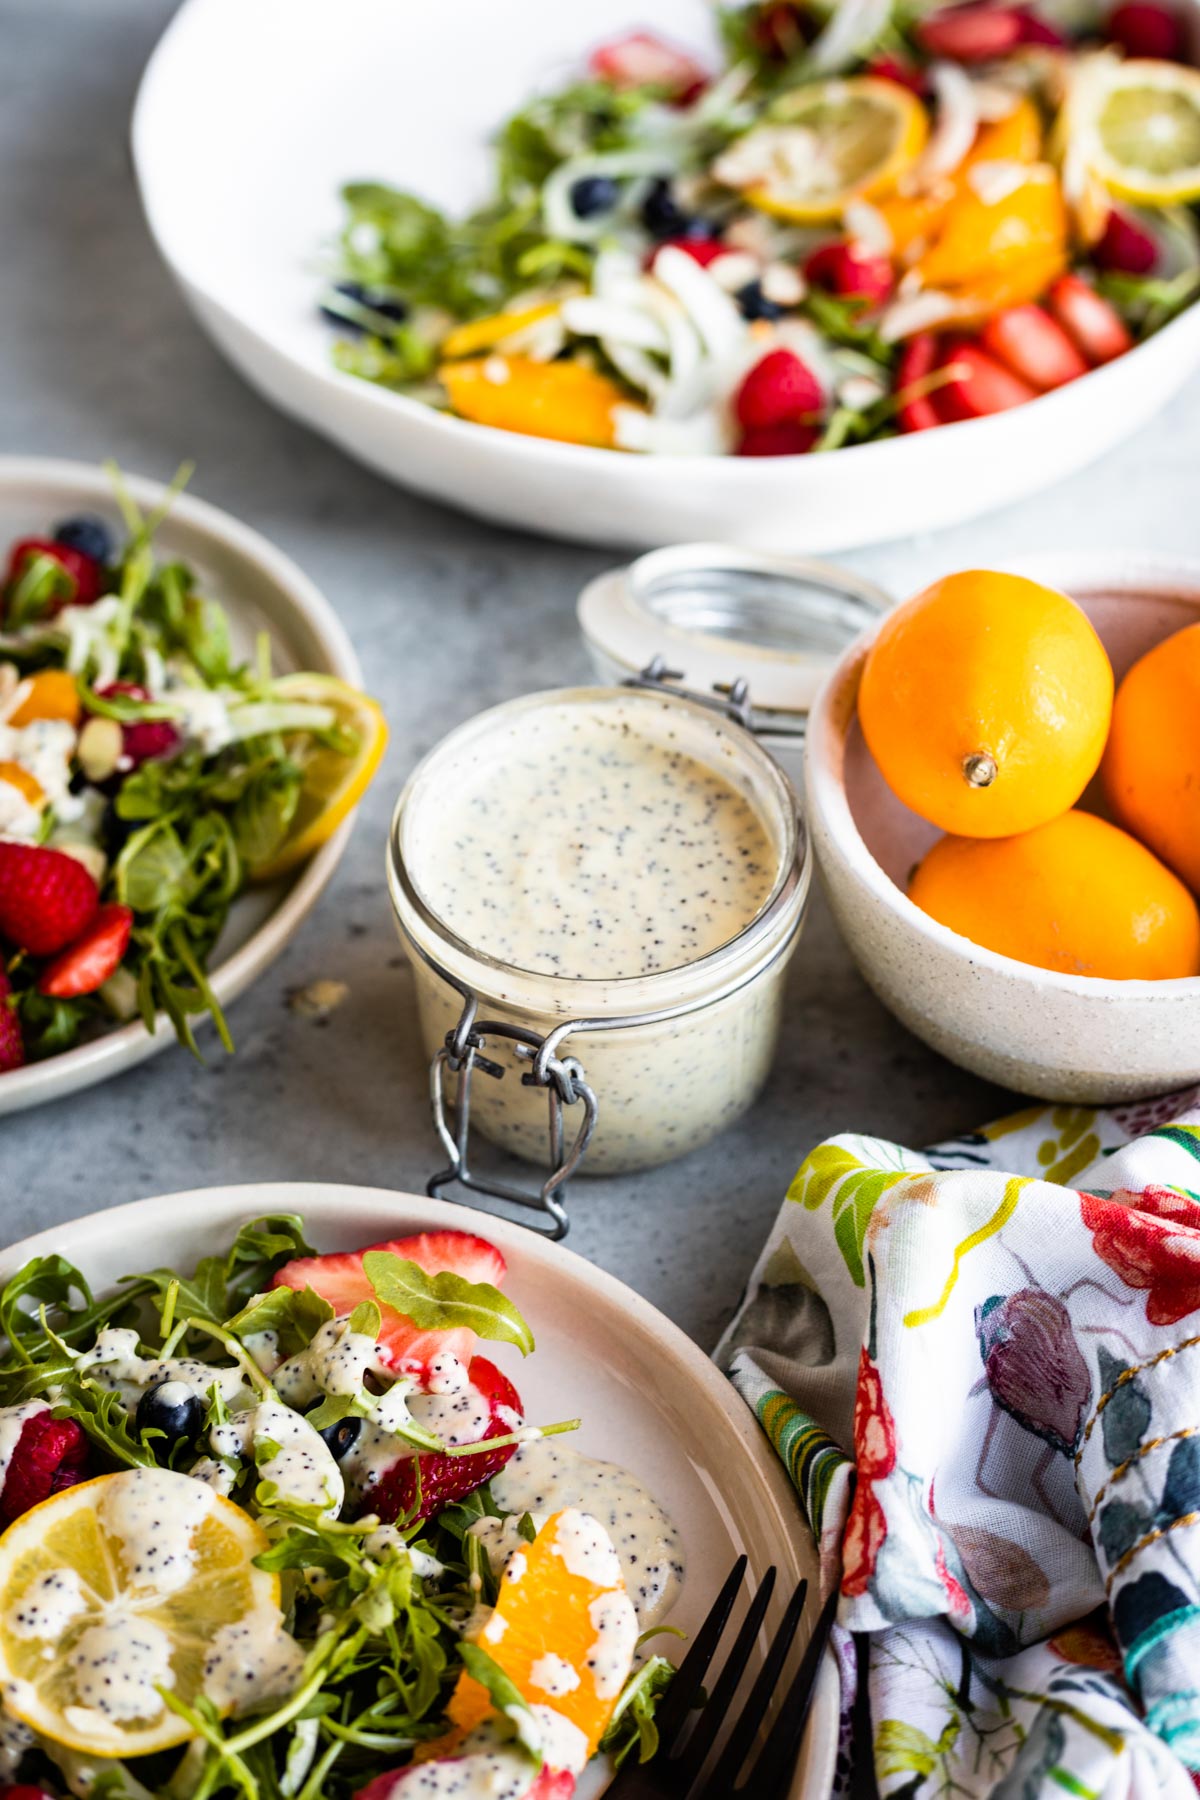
86 573
86 964
701 249
978 386
342 1280
1035 30
970 33
1034 346
1087 317
779 387
918 359
1143 28
904 74
852 273
445 1479
643 60
12 1047
24 1790
789 438
50 1455
46 898
143 740
1125 246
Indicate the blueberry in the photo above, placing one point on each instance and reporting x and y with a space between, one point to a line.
754 303
662 214
386 305
343 1436
593 194
90 536
171 1408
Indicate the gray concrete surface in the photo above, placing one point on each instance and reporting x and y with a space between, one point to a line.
99 357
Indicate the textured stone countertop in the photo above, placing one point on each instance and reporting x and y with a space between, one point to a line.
98 356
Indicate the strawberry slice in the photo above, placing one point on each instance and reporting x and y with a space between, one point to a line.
445 1479
342 1281
1034 346
1125 246
918 360
12 1045
96 953
1036 30
970 34
85 572
398 1784
1086 316
978 384
851 272
779 387
46 898
1142 28
643 60
50 1455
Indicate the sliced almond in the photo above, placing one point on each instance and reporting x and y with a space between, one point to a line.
99 748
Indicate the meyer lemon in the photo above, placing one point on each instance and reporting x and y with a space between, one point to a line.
334 783
986 701
1076 895
127 1584
1140 130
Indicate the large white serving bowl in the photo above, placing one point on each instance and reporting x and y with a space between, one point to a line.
262 590
1061 1037
251 115
648 1398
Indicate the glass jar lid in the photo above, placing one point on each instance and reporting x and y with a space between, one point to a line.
717 614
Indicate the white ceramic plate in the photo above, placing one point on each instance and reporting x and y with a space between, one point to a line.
263 591
309 95
649 1399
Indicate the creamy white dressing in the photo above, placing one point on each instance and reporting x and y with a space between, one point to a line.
545 1477
90 638
16 1739
48 1605
498 1772
611 1655
287 1451
202 713
252 1661
336 1361
114 1362
118 1664
553 1675
154 1516
454 1411
643 857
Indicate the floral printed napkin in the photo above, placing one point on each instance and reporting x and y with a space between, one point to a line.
981 1366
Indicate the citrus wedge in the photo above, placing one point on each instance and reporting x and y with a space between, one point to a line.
1142 131
334 782
484 334
122 1586
830 142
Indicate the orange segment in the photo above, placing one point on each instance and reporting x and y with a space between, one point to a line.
1017 138
25 783
1013 283
50 694
563 1629
483 334
562 400
993 223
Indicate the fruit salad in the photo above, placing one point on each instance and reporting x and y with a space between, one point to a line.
280 1527
879 217
147 774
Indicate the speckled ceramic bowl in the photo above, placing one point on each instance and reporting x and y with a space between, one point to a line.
1061 1037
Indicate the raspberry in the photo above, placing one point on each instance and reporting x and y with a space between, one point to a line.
50 1455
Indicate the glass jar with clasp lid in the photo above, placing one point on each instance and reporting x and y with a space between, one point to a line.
601 888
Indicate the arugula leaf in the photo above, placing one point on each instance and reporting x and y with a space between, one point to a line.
445 1301
632 1723
366 1319
101 1413
42 1279
505 1696
261 1248
294 1314
198 1296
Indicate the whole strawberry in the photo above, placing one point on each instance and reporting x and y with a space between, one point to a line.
12 1047
46 898
50 1455
441 1480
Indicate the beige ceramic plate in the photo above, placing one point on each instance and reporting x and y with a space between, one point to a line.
649 1399
263 590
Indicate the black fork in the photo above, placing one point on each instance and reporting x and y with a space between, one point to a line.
675 1773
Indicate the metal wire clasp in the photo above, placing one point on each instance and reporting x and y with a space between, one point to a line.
561 1076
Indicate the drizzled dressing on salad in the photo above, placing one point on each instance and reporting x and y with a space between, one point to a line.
331 1437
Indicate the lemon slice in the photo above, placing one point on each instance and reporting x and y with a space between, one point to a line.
831 142
124 1585
1141 128
333 782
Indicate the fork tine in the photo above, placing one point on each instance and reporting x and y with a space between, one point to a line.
777 1760
689 1677
689 1763
720 1783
